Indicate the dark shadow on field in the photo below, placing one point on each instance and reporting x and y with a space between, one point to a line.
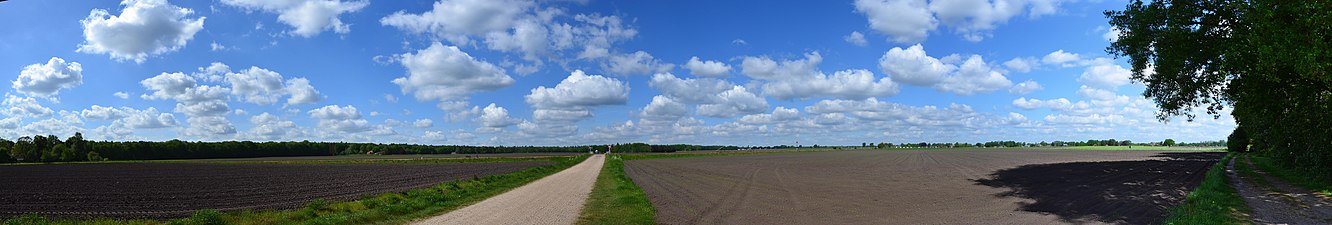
1120 192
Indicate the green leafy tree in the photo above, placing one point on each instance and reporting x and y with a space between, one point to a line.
1238 141
1269 60
1168 142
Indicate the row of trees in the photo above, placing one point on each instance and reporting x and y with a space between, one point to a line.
1266 60
50 148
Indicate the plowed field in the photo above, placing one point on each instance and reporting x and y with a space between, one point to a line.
922 187
163 190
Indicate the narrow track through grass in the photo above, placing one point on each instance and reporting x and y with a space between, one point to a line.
388 208
1214 202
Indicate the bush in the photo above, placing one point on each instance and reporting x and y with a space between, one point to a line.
1238 141
93 156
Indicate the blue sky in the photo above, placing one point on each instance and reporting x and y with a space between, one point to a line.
574 72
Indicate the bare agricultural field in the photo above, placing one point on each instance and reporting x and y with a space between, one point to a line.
164 190
922 187
389 157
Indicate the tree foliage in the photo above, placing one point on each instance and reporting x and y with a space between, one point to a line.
1270 60
1238 141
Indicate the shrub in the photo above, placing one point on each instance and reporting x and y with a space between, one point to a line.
1238 141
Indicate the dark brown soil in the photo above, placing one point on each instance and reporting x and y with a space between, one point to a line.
164 190
922 187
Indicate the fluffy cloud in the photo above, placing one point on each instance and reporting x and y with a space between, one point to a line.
736 101
707 68
210 127
975 18
904 21
261 86
974 77
579 91
269 127
910 21
779 114
206 105
302 92
144 28
308 17
423 123
856 38
516 26
1026 87
125 119
496 117
340 118
1104 73
559 107
663 108
16 106
45 80
442 72
714 97
1060 57
121 95
913 66
637 63
1021 65
801 78
256 85
1058 104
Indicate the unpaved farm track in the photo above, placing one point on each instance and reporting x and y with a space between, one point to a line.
165 190
1283 204
922 187
555 199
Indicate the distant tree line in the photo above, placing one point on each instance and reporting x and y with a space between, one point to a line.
50 148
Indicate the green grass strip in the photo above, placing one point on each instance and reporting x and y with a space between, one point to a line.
388 208
1298 178
1214 202
615 199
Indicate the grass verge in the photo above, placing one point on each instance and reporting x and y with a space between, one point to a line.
615 199
1214 202
388 208
1302 179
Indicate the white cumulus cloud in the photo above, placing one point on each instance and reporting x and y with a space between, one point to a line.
144 28
45 80
308 17
913 66
442 72
707 68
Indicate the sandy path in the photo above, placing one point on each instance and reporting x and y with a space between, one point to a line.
555 199
1285 205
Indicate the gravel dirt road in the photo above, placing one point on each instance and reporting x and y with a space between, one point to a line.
922 187
555 199
1282 203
